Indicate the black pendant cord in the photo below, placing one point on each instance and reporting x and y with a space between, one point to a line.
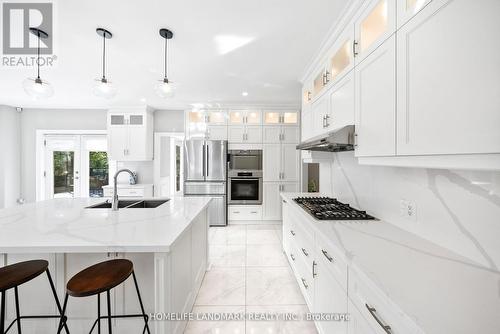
38 57
104 57
166 52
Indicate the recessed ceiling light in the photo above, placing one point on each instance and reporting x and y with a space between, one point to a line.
244 93
143 99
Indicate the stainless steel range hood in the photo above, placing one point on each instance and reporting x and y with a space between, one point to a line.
337 140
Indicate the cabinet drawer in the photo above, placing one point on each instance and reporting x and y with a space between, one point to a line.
245 212
332 259
124 192
377 309
302 269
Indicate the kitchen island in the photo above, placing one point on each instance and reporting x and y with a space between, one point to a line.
168 246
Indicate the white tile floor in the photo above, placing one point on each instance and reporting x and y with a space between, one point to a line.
248 272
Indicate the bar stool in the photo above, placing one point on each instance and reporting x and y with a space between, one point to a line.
12 276
101 278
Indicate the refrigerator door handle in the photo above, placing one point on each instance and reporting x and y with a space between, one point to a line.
208 159
204 160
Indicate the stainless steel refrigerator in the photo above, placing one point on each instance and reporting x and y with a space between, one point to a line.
205 174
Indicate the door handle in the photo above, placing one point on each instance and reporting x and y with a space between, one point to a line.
328 257
314 269
304 282
292 257
208 159
373 312
305 252
292 232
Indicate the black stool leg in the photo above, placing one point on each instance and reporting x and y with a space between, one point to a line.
146 326
109 311
2 313
99 313
62 322
16 295
53 288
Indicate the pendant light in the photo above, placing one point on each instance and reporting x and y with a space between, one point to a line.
36 87
164 88
104 88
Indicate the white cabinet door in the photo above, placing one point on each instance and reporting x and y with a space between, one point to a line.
253 134
358 324
216 117
290 162
290 134
320 109
342 58
290 118
342 103
329 297
272 134
376 102
271 162
376 23
253 117
236 134
271 201
117 142
446 105
217 132
307 125
137 138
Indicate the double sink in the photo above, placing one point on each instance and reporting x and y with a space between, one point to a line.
128 204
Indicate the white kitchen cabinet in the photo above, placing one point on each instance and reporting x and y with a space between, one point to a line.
446 105
341 60
245 212
213 117
408 9
321 114
320 80
251 134
280 162
216 132
306 129
129 190
341 103
130 134
288 117
271 207
358 324
277 133
374 25
245 117
329 297
375 106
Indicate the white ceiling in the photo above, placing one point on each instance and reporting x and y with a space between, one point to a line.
220 49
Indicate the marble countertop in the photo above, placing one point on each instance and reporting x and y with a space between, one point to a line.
65 226
440 290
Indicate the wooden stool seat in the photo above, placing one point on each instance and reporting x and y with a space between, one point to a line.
99 278
16 274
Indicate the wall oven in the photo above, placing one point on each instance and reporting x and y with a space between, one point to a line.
245 187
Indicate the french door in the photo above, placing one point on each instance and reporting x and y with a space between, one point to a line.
75 166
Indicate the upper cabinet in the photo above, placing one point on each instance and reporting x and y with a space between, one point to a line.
375 24
409 8
215 117
320 81
273 117
446 104
130 134
245 117
342 57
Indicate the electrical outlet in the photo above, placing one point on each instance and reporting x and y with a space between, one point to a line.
408 209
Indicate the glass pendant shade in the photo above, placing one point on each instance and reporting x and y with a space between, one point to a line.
165 89
104 89
38 88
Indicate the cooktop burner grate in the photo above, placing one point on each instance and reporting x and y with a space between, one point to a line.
325 208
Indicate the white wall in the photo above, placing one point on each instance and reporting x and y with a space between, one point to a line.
10 176
459 210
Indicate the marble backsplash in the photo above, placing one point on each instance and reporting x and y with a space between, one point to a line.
459 210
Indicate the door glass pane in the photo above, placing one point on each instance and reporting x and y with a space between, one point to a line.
318 83
64 167
236 117
290 117
272 118
196 117
374 25
217 117
136 119
253 117
117 119
245 189
341 59
98 173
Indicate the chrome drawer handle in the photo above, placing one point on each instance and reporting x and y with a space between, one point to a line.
253 211
328 257
292 257
373 312
292 232
236 212
314 269
305 283
305 252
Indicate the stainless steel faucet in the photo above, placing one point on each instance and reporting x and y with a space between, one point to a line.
114 206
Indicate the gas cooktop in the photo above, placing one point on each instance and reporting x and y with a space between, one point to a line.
325 208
